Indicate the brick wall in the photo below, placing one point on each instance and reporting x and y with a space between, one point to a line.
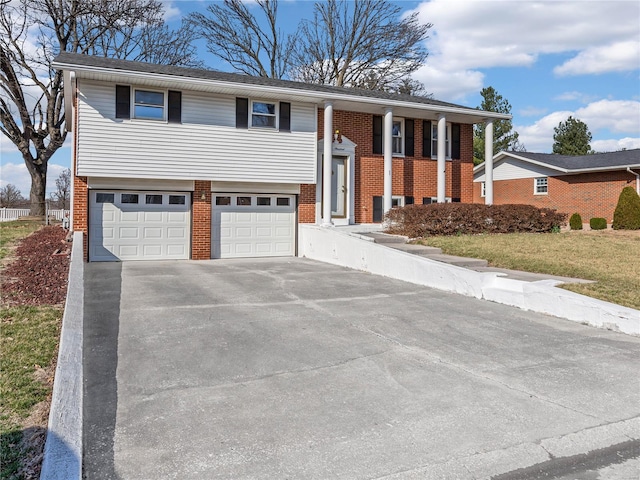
590 194
201 233
307 204
411 176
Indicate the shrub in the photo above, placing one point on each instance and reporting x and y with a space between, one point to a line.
627 213
598 223
575 222
460 218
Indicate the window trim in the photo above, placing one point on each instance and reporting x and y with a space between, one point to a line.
434 140
275 115
536 186
483 189
134 104
401 137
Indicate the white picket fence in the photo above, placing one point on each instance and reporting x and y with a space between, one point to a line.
9 214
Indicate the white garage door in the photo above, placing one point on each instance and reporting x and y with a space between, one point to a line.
252 225
136 225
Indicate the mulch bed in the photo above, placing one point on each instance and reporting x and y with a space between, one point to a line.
38 276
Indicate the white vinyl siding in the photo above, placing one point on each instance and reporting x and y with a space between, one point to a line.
205 145
513 169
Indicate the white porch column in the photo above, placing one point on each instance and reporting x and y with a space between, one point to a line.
488 162
326 164
387 148
442 158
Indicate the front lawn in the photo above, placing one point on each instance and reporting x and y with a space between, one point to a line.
609 257
33 282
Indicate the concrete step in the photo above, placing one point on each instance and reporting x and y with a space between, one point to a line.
459 261
385 238
421 250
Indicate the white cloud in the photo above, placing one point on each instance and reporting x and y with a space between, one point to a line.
532 111
603 118
17 174
618 116
171 11
475 34
626 143
616 57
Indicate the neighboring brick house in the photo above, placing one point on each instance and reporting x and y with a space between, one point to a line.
587 184
176 163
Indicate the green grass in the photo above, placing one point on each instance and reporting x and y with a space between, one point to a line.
27 344
12 232
610 258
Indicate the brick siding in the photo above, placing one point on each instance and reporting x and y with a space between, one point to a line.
589 194
411 176
201 233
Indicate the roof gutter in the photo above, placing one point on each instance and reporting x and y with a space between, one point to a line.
637 179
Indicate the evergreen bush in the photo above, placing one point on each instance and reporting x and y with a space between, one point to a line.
598 223
627 213
575 222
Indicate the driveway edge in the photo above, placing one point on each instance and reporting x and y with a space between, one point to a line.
63 447
339 248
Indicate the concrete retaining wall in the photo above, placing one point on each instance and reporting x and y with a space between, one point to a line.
340 248
63 447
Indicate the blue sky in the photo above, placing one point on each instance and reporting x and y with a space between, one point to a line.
550 59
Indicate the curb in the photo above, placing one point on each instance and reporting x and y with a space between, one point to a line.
63 448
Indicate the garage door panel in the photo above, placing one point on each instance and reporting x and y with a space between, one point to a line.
138 231
257 228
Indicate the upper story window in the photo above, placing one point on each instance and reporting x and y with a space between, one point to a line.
148 104
263 114
434 140
397 137
541 186
144 104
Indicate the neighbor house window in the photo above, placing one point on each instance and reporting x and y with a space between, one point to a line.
148 105
397 137
434 140
541 186
263 114
483 189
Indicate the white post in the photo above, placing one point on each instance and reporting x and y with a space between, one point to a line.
326 164
442 158
488 162
388 159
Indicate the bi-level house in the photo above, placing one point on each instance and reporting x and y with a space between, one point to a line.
178 163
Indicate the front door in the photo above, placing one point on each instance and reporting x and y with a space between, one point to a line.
339 187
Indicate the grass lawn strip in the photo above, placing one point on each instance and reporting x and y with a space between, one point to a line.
29 337
610 258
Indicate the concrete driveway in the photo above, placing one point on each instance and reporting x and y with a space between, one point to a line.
293 369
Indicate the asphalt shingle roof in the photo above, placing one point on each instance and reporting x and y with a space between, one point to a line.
142 67
623 158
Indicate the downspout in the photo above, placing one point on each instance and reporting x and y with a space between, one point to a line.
637 179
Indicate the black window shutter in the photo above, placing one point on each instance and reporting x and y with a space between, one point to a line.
174 115
377 209
377 136
408 200
426 138
408 137
455 141
242 112
285 117
123 101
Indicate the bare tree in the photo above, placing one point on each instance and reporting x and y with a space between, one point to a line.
32 32
236 35
10 196
359 43
62 195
